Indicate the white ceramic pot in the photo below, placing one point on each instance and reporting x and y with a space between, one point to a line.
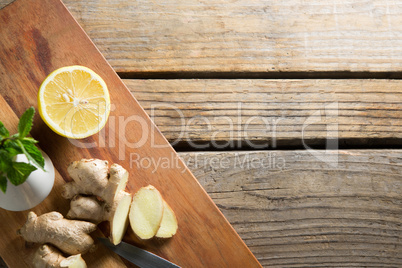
33 191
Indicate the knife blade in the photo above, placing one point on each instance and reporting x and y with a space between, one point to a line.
138 256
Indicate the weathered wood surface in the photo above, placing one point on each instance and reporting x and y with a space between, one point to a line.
39 36
294 210
262 113
245 36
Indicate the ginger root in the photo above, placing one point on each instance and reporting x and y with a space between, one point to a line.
92 177
89 208
49 257
69 236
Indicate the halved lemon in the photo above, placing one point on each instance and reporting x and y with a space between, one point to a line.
74 102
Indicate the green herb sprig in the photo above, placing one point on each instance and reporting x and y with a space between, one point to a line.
19 143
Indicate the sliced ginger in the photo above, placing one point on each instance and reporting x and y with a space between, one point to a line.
146 212
119 219
74 261
168 225
151 216
49 256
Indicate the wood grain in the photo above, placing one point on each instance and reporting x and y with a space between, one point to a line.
239 36
264 113
39 36
243 36
294 210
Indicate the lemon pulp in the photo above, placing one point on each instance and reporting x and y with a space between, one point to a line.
74 102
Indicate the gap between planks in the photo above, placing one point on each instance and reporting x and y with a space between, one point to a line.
260 75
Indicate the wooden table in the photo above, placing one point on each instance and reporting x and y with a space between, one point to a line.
289 114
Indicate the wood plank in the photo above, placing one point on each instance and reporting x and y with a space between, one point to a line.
39 36
293 210
243 36
239 36
267 112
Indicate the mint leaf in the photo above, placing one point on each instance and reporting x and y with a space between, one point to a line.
3 183
30 139
32 153
5 161
26 121
19 172
12 147
3 131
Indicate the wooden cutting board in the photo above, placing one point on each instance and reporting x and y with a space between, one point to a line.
39 36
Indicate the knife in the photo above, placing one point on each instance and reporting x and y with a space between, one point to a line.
138 256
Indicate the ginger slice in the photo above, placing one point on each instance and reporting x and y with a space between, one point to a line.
119 217
49 256
169 224
74 261
146 212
